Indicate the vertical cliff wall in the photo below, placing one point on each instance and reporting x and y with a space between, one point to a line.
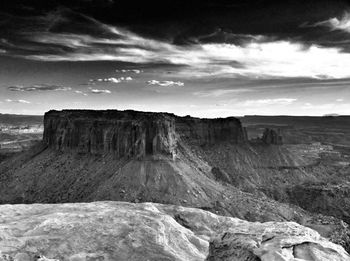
207 132
133 134
271 136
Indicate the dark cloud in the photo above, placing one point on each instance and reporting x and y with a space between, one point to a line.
182 21
38 87
253 39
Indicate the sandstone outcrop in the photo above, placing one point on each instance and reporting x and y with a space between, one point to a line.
208 132
125 134
273 242
148 231
133 134
271 136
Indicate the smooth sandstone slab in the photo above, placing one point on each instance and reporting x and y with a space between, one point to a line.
148 231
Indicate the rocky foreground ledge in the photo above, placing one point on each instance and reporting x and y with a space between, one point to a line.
126 231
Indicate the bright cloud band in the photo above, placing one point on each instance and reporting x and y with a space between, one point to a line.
259 57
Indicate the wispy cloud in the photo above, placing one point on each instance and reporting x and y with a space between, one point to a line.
265 102
17 101
112 79
219 92
137 71
99 91
165 83
38 87
81 92
266 60
334 23
257 58
327 108
93 91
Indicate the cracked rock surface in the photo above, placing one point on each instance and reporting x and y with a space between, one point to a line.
148 231
272 241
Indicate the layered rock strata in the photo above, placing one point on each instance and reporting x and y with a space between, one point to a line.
133 134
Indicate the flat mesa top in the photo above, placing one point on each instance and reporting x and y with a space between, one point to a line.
113 114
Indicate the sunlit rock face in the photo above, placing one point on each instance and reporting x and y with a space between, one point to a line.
133 134
272 241
148 231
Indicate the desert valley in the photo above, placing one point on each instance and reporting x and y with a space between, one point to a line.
199 181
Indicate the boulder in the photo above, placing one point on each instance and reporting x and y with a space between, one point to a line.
272 241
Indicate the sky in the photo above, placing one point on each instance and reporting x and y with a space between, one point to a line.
201 58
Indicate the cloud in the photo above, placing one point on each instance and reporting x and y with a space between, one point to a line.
88 83
81 92
263 102
328 108
219 92
17 101
38 87
93 91
98 91
112 79
165 83
137 71
339 100
335 23
258 57
265 60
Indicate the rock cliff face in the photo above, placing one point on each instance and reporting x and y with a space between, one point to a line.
133 134
208 132
125 134
271 136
